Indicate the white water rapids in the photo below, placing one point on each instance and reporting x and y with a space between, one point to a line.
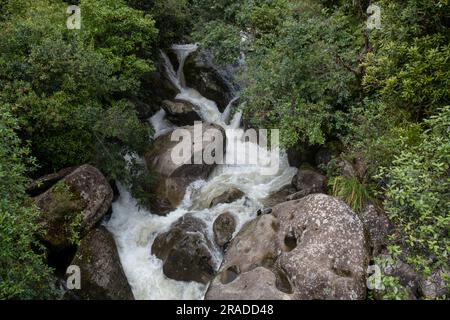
135 229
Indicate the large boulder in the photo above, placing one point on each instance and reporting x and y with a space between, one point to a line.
255 246
73 206
228 196
186 251
223 228
102 276
315 247
324 248
306 182
180 112
172 178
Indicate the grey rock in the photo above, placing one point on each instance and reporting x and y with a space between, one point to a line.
307 182
180 112
315 248
228 196
102 276
89 196
434 286
224 227
256 284
186 251
173 178
377 225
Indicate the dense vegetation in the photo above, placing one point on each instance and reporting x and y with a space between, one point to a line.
312 69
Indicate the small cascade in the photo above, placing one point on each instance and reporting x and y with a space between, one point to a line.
182 51
225 118
206 108
160 124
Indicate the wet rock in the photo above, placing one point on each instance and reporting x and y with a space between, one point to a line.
307 181
228 196
180 113
173 178
279 196
315 247
73 206
102 276
378 227
186 251
224 227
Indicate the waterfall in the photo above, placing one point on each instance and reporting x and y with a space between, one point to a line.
227 112
182 52
135 229
160 125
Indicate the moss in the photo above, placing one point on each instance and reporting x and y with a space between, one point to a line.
64 215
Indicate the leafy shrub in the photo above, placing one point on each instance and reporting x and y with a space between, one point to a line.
418 193
409 66
69 88
23 272
374 131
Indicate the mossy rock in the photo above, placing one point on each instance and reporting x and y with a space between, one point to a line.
102 275
73 206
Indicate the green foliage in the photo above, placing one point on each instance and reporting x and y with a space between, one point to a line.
66 205
68 88
351 190
172 18
410 66
418 193
222 38
296 84
23 273
391 288
374 131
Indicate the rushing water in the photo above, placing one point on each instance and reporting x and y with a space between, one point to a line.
135 229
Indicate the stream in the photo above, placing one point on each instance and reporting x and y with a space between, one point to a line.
135 229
